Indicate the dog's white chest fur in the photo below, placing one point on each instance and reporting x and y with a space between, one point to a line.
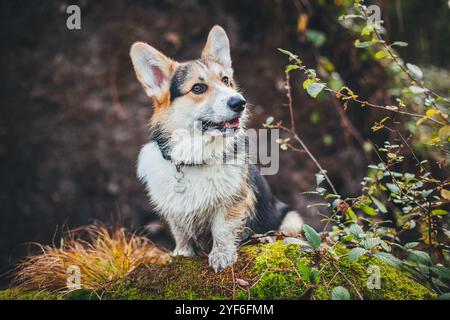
208 187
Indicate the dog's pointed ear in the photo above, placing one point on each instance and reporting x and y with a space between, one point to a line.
153 69
218 47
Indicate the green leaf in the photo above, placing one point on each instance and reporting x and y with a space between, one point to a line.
388 259
351 16
309 274
355 230
369 210
411 245
367 30
356 253
439 283
290 240
369 243
386 247
417 90
421 257
439 212
290 55
380 55
393 187
322 192
350 215
319 178
415 70
445 296
399 44
305 272
312 236
269 120
314 277
317 38
441 271
379 205
308 82
291 67
423 270
340 293
314 89
364 44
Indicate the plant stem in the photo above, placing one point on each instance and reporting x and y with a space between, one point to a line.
295 135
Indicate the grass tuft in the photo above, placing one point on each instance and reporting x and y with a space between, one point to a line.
102 255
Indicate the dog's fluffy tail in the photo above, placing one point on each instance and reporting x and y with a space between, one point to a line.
291 225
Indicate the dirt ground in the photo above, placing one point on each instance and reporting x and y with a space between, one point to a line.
73 116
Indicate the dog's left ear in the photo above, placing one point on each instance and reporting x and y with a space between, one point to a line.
218 47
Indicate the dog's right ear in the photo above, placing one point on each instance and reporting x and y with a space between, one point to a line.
153 69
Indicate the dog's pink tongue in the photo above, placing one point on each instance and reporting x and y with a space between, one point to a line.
234 123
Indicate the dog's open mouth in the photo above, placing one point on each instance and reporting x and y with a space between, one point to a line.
224 126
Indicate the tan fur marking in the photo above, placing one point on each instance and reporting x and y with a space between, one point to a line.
241 209
164 102
245 206
160 107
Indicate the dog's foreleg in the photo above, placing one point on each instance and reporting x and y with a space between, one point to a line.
223 253
183 244
224 250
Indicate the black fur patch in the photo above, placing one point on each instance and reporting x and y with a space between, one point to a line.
269 211
157 134
177 81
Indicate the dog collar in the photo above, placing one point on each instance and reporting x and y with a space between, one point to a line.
163 144
165 152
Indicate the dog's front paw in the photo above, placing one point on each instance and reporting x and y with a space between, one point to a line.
184 252
220 260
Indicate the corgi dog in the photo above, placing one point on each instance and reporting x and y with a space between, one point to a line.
199 120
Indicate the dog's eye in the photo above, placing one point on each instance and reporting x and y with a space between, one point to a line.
199 88
226 80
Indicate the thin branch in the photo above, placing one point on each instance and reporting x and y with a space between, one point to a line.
296 137
372 105
322 171
349 282
289 95
340 95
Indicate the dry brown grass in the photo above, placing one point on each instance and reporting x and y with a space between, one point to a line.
102 255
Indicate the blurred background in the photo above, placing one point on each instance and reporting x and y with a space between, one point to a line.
73 116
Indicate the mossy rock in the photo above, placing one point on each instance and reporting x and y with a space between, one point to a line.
270 271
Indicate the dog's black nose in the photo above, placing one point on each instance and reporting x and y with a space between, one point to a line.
236 103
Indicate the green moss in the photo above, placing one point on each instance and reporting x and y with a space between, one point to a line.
279 269
184 278
242 295
16 294
274 271
126 290
81 295
189 280
277 285
276 267
394 285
